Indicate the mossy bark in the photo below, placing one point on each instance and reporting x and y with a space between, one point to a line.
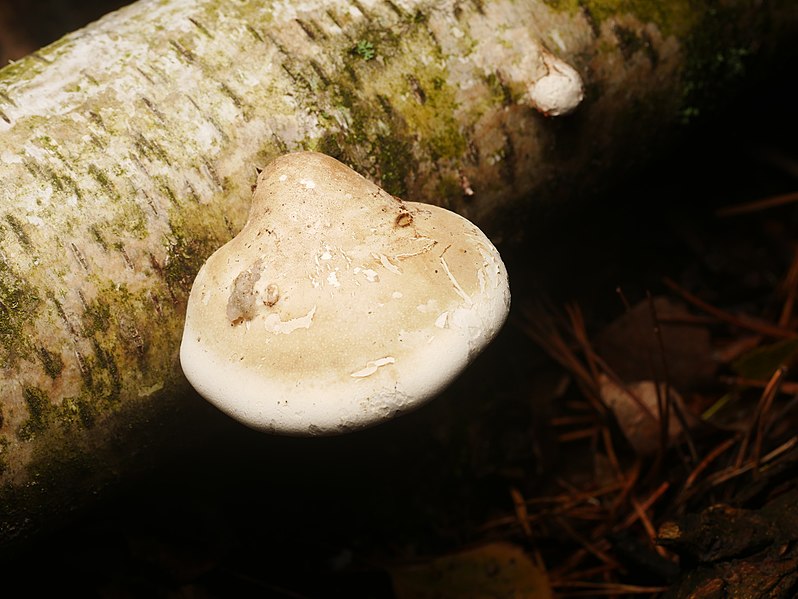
128 151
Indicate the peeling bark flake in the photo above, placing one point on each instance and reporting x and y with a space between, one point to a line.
78 256
19 231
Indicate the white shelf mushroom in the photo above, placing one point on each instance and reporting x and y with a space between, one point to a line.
338 306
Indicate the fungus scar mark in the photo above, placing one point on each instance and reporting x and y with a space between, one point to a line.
272 295
460 291
274 324
432 243
307 183
372 367
387 264
241 304
403 220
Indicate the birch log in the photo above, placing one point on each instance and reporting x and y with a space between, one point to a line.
128 150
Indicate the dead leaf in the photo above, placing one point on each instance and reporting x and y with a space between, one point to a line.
730 350
762 362
493 571
635 409
632 349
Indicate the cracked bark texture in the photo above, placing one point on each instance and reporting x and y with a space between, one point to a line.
128 151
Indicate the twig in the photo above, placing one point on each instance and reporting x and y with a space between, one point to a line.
606 437
538 326
757 205
578 435
569 420
625 301
521 513
645 506
604 588
730 473
663 400
629 484
743 322
708 459
579 331
581 575
649 527
786 388
615 591
669 402
790 287
562 504
763 411
586 545
755 429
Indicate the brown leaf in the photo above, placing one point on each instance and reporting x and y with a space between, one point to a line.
631 348
635 409
760 363
493 571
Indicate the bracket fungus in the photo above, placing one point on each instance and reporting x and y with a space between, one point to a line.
338 306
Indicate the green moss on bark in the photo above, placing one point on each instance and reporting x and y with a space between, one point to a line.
187 249
674 17
40 413
78 412
96 317
19 303
4 444
397 110
51 362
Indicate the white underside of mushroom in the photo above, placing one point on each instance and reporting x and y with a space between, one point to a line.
380 389
338 306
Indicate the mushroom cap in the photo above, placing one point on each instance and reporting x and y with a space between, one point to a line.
338 305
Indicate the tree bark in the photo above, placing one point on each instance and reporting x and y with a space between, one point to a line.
731 552
128 151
